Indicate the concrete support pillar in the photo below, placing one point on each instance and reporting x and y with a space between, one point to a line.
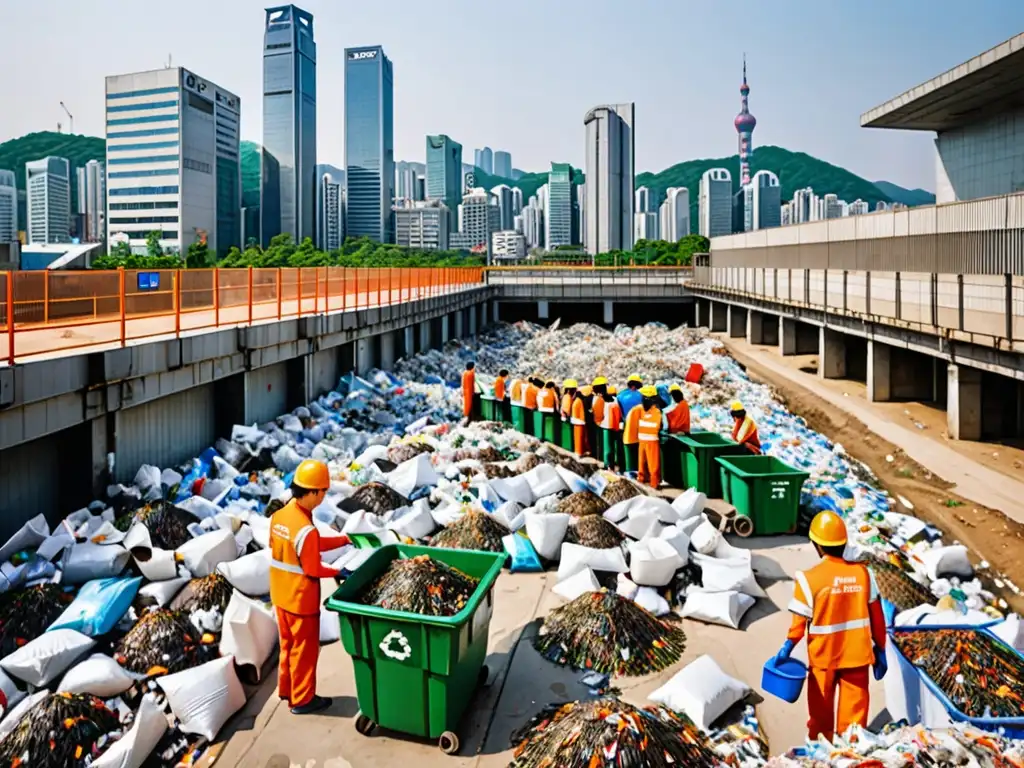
609 312
365 358
879 372
736 325
831 354
496 316
425 340
543 310
410 341
787 336
963 402
719 313
755 327
460 324
472 321
387 351
102 446
482 321
698 312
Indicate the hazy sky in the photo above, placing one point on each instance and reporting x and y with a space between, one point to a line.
520 75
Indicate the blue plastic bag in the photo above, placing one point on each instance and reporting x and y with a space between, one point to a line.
100 604
522 556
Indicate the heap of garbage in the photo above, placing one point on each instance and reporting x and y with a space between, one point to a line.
141 603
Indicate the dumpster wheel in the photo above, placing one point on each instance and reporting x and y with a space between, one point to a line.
743 526
364 725
449 743
481 679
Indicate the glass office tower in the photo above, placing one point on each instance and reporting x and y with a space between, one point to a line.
288 196
369 144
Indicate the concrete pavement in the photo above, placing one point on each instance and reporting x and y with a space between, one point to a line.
520 683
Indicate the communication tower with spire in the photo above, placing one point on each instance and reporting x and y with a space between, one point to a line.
745 124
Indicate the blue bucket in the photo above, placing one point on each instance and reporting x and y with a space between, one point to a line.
784 679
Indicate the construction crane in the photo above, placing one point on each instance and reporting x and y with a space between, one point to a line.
71 118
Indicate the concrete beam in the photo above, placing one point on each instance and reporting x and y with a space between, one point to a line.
879 372
831 354
963 403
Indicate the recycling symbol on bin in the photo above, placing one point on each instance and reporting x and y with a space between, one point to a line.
390 639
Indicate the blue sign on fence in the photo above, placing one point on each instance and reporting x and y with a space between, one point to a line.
149 281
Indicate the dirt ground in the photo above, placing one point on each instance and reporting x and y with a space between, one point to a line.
987 533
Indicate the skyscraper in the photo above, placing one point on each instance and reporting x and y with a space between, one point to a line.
610 177
503 164
288 195
173 160
745 124
478 219
369 144
48 185
444 171
674 214
715 202
805 206
642 200
562 216
423 225
517 201
330 210
503 197
763 197
484 160
8 207
645 226
92 202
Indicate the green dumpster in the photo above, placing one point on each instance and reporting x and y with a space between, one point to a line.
488 408
537 421
698 451
764 489
672 460
520 417
416 674
567 435
551 427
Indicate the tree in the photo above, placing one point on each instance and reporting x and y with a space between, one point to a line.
153 247
198 256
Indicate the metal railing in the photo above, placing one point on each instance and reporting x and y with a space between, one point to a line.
46 311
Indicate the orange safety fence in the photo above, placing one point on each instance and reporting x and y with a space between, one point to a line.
49 311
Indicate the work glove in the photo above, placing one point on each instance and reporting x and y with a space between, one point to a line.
786 650
881 666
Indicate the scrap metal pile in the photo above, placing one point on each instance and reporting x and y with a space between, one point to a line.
154 595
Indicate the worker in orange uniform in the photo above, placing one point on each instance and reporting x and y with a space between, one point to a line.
837 605
295 573
517 396
629 400
645 419
501 395
610 427
533 388
545 418
578 418
569 389
599 386
468 390
744 429
676 416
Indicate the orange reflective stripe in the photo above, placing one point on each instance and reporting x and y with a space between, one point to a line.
631 432
546 401
579 413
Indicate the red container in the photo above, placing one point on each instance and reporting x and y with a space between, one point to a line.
695 373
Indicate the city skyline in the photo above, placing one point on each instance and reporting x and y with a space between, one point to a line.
799 107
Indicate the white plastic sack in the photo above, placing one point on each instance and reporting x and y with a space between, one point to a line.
415 522
579 583
249 574
515 489
679 539
147 479
547 532
510 515
630 508
250 631
725 608
204 553
88 561
162 592
946 561
572 481
641 525
11 693
41 660
31 534
260 526
648 598
689 504
733 575
544 480
132 749
690 524
626 588
701 690
204 697
1011 631
653 562
330 628
705 537
575 558
201 507
99 675
415 473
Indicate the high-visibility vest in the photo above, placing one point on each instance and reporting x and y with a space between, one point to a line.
612 416
631 431
597 408
517 391
499 388
468 383
290 588
649 424
546 401
566 407
835 597
745 433
530 399
579 413
676 417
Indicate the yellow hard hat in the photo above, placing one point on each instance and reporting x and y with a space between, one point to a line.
312 475
675 388
612 389
634 377
648 391
600 381
828 530
586 390
569 384
736 406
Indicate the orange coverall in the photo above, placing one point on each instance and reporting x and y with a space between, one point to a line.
468 390
744 432
836 603
648 432
578 418
499 388
676 418
295 573
530 401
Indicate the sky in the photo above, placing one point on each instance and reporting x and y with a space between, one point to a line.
520 76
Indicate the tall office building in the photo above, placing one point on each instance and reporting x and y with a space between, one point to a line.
92 202
484 160
645 226
330 208
805 206
581 204
444 170
533 224
832 207
173 161
674 215
8 207
642 201
763 198
420 190
424 225
517 201
369 144
715 202
857 208
503 164
610 177
503 198
478 219
562 216
405 179
288 195
48 185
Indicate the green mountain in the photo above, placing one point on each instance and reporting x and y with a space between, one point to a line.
909 197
